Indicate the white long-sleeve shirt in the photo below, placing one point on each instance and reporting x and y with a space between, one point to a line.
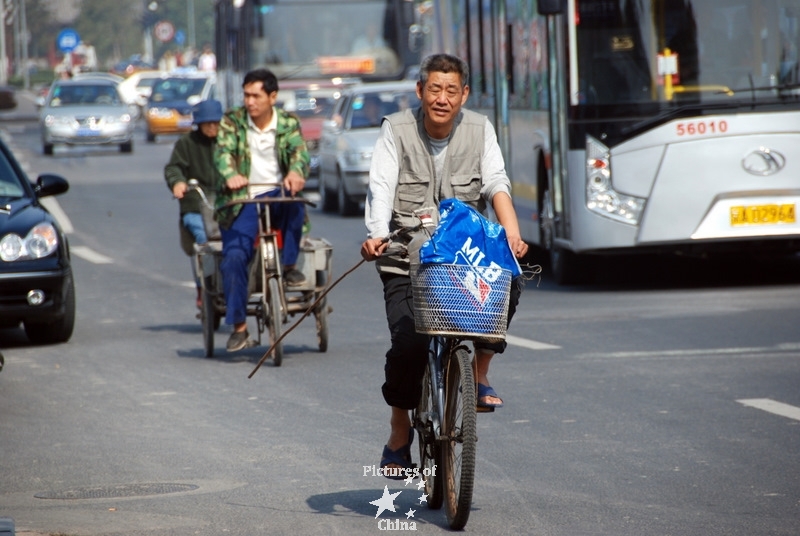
384 172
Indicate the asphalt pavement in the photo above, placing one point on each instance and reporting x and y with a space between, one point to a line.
25 110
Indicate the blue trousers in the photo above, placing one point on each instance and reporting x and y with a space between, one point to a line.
238 248
193 221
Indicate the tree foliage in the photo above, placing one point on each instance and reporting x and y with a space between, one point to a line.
116 27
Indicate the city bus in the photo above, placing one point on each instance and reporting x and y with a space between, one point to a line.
315 40
667 126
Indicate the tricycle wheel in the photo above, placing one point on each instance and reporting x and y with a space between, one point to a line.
321 314
210 320
275 320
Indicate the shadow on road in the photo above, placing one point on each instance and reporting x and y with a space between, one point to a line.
357 502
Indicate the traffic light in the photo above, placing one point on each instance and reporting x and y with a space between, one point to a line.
150 15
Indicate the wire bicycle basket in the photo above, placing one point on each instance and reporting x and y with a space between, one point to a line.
468 302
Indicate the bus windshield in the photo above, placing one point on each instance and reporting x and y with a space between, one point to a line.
307 38
681 52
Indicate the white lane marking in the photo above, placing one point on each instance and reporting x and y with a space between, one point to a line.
771 406
58 213
783 347
90 255
527 343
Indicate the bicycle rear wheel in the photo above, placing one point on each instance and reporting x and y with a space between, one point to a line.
459 429
209 318
430 459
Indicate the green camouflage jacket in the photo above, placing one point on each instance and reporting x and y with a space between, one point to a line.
232 156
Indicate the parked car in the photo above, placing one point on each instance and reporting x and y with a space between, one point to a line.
313 102
36 282
86 111
138 86
169 108
95 75
8 98
131 65
348 138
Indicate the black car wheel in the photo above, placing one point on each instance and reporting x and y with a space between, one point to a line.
347 207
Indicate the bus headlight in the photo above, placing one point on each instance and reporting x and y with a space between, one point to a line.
601 197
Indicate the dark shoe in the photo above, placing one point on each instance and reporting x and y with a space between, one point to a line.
238 340
401 457
486 391
294 278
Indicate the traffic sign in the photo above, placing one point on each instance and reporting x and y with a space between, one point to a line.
164 31
180 37
67 40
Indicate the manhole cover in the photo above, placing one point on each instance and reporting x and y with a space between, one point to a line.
111 492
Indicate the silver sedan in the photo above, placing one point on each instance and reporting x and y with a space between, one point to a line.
86 111
349 137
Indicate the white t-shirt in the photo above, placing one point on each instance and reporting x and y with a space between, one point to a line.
207 62
265 173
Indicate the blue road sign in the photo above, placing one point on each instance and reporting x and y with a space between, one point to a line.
180 37
67 40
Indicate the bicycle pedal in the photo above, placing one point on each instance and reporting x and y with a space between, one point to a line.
483 409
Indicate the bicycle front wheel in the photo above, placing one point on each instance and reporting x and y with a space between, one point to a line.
460 437
275 320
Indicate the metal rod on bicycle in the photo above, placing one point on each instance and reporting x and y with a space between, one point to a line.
264 357
308 312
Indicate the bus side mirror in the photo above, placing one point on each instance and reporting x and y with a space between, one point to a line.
552 7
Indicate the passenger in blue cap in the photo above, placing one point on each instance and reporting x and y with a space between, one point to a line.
193 158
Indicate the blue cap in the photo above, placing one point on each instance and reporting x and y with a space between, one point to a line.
207 111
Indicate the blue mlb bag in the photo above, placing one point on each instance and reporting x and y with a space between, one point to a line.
462 284
464 236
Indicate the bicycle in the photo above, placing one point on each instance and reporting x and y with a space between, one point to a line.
270 302
446 416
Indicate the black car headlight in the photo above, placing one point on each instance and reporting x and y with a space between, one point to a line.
40 242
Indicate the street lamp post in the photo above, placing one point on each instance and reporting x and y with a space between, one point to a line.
149 18
190 22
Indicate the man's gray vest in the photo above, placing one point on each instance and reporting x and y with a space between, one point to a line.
416 188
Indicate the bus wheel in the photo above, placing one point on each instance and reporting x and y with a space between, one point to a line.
568 267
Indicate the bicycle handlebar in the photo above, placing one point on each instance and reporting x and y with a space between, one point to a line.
195 185
269 200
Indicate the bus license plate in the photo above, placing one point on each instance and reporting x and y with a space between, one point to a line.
762 214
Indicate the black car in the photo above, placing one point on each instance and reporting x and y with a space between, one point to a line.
36 283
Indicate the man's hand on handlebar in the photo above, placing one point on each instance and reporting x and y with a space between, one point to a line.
293 183
372 248
518 246
236 182
179 190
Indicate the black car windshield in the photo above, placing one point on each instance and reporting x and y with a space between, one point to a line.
309 106
84 95
367 109
177 89
10 187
